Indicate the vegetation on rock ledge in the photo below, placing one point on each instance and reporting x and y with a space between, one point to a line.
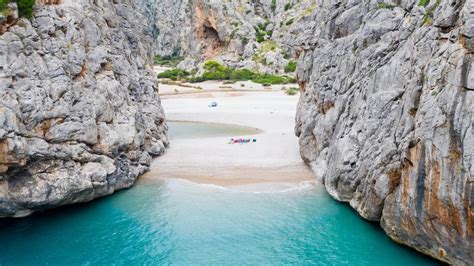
215 71
25 7
4 7
174 74
290 67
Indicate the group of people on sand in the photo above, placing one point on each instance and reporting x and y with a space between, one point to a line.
242 141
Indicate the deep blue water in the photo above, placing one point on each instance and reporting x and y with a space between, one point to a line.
180 223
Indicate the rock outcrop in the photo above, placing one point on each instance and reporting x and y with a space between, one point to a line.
80 115
8 17
385 119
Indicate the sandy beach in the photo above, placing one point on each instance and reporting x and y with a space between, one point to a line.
273 162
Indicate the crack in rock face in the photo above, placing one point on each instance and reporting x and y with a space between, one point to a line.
80 113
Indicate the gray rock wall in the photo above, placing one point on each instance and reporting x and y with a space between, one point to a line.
385 119
80 115
166 19
226 30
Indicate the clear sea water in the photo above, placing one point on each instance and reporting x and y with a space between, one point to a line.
181 223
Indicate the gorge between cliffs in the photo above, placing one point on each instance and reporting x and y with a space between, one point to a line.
187 111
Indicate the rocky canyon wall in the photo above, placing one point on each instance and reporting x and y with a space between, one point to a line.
80 115
166 19
238 33
385 118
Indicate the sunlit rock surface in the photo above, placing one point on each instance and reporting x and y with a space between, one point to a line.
386 116
80 115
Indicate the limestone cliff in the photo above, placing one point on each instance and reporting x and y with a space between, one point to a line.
166 19
385 118
80 115
239 33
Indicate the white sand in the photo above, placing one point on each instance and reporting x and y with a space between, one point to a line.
271 163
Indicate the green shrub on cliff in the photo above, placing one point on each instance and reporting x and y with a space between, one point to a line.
290 67
261 32
271 79
243 74
260 36
4 4
25 8
423 2
4 7
385 6
215 71
174 74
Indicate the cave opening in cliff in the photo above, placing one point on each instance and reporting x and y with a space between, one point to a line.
210 33
212 44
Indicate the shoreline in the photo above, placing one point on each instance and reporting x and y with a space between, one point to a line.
270 164
235 175
257 130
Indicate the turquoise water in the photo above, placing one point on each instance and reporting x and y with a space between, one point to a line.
180 223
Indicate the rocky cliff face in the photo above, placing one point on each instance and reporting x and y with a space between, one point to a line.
239 33
80 116
386 116
166 19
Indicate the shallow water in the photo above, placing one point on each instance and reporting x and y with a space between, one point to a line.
181 223
187 130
